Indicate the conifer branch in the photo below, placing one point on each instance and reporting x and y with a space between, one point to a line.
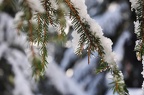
139 30
86 36
94 44
139 48
44 50
56 17
48 8
142 25
39 27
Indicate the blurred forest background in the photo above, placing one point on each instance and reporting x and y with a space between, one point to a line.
68 74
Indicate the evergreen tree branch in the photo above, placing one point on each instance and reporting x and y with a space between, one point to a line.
94 44
88 38
92 41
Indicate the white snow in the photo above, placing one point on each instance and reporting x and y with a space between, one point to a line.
36 5
136 26
3 48
134 4
64 84
53 4
75 40
18 16
19 61
14 56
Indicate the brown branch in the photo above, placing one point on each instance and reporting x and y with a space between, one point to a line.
31 37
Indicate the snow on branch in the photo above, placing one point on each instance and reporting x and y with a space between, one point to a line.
94 31
138 5
134 4
36 5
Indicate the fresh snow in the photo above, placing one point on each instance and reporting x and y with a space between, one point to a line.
53 4
22 84
137 24
14 56
18 16
134 4
75 40
36 5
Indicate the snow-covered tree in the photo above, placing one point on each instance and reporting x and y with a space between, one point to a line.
46 21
